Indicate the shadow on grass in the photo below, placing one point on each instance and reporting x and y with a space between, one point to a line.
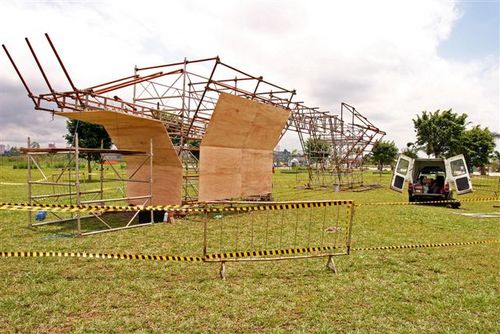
66 229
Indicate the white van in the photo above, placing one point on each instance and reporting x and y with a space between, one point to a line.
430 179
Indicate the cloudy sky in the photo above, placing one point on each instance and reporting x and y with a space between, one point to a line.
390 59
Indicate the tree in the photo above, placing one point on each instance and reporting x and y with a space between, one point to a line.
440 133
89 136
35 144
478 146
411 150
317 150
383 153
496 156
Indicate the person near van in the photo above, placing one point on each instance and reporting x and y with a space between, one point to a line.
438 185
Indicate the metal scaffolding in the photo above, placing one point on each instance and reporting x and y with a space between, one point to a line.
67 186
183 96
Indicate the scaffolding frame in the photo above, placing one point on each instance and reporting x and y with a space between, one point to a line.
183 95
74 185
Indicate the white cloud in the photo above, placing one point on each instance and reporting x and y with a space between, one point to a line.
380 56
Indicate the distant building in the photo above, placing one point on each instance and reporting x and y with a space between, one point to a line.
52 145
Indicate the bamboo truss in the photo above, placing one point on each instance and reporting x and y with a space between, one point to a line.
183 95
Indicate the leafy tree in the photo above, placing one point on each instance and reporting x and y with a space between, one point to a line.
441 132
317 150
383 153
496 156
410 153
89 136
478 146
35 144
411 150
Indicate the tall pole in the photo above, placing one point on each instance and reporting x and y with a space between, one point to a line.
77 184
101 176
183 109
30 199
151 177
63 68
30 94
135 88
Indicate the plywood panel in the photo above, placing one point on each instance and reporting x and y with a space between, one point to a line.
257 172
134 133
241 123
220 176
236 151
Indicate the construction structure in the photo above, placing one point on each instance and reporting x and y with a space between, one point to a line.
204 111
69 186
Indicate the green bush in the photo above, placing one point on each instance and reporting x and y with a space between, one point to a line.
20 165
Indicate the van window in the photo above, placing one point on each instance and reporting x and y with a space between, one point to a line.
458 167
402 166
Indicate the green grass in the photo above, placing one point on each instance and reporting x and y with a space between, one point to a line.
425 290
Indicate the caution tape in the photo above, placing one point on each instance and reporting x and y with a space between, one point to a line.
481 199
230 255
86 207
272 252
198 208
293 251
179 208
104 256
443 244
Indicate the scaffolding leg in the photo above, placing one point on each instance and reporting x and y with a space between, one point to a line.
222 271
331 264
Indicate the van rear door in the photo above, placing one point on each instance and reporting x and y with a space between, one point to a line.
402 172
456 172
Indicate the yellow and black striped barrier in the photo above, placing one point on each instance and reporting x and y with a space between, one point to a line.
180 208
271 252
200 208
413 246
231 255
295 251
113 256
478 199
86 207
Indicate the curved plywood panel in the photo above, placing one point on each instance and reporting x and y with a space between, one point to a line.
134 133
236 153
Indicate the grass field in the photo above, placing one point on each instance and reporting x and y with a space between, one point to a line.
445 290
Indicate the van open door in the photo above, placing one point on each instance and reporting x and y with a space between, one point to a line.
456 172
402 172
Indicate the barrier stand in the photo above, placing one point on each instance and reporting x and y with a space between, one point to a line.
331 264
267 231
